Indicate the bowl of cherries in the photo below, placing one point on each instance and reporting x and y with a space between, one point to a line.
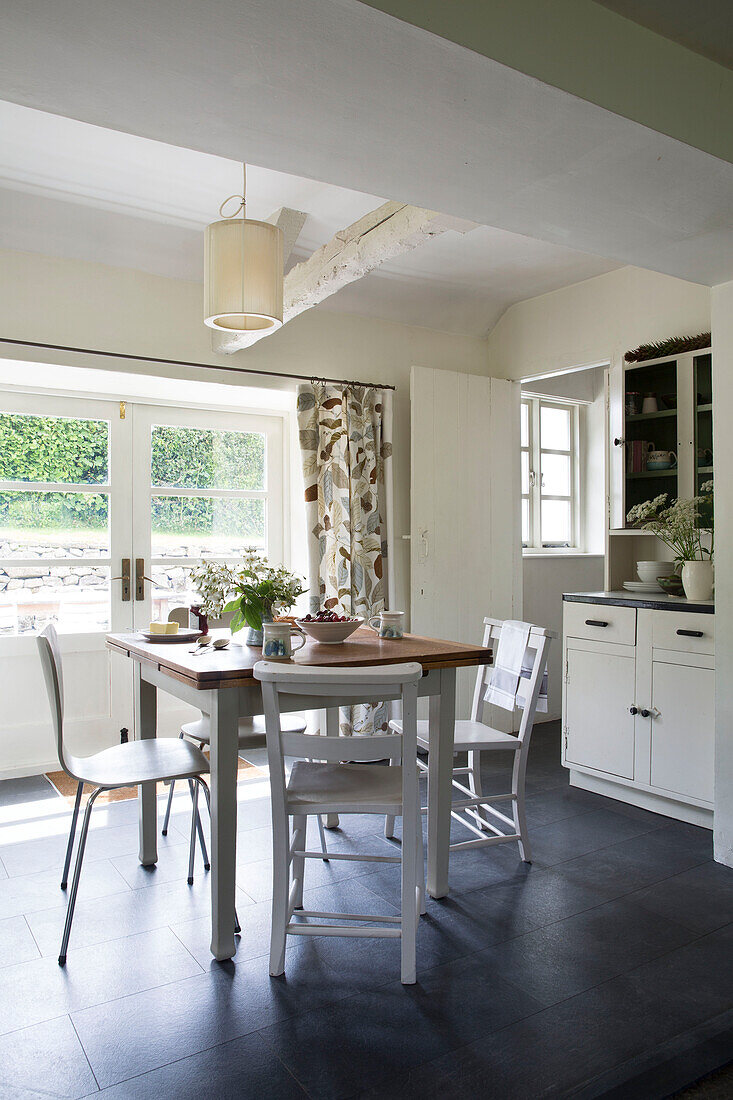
328 627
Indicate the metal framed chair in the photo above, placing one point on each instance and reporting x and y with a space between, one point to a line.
474 737
125 765
331 786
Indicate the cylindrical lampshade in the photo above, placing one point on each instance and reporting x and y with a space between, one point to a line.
243 276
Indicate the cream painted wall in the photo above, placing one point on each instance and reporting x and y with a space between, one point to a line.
595 321
114 309
722 315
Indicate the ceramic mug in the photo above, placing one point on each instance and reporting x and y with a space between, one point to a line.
277 641
661 460
390 624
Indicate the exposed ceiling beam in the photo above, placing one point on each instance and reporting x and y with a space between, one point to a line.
381 235
291 222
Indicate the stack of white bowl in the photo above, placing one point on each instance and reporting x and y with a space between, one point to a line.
648 571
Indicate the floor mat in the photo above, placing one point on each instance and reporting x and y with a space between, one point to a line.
65 786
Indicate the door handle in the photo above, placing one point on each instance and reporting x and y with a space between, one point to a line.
125 578
690 633
140 579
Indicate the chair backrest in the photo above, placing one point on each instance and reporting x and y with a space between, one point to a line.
312 687
528 688
50 653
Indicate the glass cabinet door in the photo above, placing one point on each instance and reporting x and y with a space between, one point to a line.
650 431
703 405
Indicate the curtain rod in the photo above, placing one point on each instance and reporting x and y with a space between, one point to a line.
186 363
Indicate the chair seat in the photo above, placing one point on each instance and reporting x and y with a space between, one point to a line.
141 762
469 735
347 788
251 730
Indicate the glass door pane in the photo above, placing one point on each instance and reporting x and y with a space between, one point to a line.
650 431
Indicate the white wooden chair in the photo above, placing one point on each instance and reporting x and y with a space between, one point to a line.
341 788
472 736
251 735
125 765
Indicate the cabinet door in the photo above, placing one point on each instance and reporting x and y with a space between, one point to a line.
599 689
683 732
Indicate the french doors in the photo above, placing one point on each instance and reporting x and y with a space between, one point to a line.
104 509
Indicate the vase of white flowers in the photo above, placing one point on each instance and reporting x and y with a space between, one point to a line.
254 592
686 527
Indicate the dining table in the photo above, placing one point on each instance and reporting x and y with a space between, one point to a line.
220 683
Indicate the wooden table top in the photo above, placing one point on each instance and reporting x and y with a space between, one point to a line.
232 667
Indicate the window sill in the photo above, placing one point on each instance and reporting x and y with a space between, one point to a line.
527 553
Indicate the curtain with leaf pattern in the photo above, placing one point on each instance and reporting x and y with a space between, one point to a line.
346 449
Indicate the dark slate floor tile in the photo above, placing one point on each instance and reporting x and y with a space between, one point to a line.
101 919
146 1031
31 893
575 954
171 867
239 1070
535 897
690 984
577 836
638 862
256 878
27 790
46 853
40 990
370 1038
556 1051
16 942
700 899
44 1061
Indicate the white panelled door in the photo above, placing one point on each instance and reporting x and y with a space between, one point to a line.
465 528
92 492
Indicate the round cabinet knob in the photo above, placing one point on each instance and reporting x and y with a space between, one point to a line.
633 710
644 712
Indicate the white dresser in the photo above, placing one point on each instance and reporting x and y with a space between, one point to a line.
638 701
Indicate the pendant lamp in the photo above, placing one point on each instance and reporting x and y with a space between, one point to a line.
243 272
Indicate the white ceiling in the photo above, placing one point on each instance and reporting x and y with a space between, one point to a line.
71 189
335 90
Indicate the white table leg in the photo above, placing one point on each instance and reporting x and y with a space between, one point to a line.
224 742
440 774
332 730
145 726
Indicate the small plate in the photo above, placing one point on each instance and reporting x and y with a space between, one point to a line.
641 586
169 639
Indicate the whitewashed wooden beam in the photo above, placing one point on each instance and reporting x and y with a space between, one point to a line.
381 235
291 222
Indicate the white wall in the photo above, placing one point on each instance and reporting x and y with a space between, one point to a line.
595 321
722 301
115 309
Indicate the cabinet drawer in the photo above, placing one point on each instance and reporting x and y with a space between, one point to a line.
600 621
686 632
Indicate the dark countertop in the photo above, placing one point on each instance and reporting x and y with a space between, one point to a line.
651 601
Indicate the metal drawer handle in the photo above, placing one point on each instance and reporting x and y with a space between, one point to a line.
595 622
691 633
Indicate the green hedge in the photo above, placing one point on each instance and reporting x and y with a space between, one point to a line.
37 448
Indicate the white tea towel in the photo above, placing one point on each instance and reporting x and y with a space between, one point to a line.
507 668
525 674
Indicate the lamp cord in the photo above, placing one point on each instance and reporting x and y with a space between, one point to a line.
242 199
